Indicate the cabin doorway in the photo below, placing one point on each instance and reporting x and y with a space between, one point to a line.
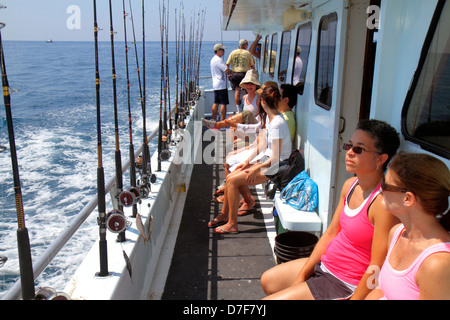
360 54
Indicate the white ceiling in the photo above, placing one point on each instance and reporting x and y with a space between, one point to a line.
260 16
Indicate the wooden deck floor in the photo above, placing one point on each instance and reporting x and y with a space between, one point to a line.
207 266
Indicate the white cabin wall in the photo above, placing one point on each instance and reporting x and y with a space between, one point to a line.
352 84
403 28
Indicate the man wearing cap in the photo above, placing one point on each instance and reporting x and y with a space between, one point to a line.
218 70
239 61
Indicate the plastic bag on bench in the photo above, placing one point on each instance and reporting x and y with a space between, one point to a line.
301 193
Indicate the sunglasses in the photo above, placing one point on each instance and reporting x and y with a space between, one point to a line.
391 188
358 150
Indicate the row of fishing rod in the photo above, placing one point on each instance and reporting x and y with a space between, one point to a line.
188 52
171 120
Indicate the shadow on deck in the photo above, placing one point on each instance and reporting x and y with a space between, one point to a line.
207 266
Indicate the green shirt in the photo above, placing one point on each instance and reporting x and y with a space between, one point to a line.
289 116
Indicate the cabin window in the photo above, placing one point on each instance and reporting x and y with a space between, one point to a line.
325 61
284 56
273 55
426 116
301 57
266 55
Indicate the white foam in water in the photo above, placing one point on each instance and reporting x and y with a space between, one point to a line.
58 177
53 193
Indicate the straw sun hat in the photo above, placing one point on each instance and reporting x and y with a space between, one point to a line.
251 77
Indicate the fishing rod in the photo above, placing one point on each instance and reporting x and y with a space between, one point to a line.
23 240
100 171
177 57
169 132
202 28
163 150
160 127
144 65
129 198
115 219
176 116
182 106
146 175
165 155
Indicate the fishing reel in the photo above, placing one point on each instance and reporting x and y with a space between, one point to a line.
139 162
144 185
166 138
116 221
165 153
130 197
47 293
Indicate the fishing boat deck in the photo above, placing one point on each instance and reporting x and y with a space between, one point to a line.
207 266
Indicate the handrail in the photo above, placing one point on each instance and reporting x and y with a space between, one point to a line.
15 291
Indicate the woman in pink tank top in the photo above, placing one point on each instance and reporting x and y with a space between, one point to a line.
416 190
358 234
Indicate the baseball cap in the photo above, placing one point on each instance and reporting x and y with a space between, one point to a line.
219 47
242 42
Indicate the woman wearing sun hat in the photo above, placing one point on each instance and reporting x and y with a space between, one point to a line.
251 109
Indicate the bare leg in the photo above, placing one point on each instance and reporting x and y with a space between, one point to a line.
249 200
226 123
215 107
223 111
237 96
232 196
277 282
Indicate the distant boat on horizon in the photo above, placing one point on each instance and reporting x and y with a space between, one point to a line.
49 41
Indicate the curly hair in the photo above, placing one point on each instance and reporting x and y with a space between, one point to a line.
386 137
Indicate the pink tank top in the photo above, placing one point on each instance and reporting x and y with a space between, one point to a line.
401 285
348 255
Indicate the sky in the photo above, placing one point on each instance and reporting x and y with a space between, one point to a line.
72 20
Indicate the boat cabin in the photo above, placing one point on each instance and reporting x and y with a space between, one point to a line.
386 60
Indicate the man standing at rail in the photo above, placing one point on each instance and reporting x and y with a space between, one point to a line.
239 61
218 70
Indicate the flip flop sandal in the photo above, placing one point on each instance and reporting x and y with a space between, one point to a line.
243 212
219 230
215 223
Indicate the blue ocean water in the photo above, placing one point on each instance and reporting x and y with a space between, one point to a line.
54 113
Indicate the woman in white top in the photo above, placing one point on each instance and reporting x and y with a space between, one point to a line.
250 104
270 156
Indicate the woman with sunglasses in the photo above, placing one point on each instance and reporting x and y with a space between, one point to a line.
357 237
416 190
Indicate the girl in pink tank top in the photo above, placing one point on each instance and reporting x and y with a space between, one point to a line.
401 285
357 237
348 255
416 189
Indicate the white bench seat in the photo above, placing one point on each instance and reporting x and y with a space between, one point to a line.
295 220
